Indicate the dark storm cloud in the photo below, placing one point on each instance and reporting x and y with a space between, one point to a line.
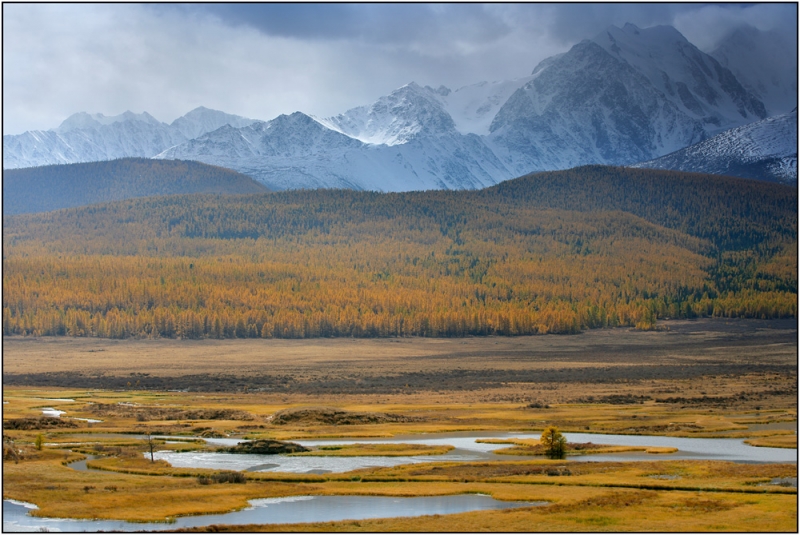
703 24
376 23
571 23
261 60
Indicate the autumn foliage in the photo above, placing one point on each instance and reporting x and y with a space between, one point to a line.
535 255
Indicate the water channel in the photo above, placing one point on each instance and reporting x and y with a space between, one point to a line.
330 508
468 449
271 511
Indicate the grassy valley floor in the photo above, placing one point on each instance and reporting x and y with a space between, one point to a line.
706 378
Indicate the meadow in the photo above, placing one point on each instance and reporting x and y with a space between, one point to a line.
701 378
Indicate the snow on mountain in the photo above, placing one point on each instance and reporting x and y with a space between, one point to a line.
588 106
627 95
765 63
298 151
412 109
764 150
474 106
85 137
83 120
396 118
202 120
694 81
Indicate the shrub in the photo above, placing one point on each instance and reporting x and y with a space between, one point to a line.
222 477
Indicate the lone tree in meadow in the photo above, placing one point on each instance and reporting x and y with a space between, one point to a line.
554 442
151 445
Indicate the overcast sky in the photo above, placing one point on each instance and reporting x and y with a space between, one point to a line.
261 60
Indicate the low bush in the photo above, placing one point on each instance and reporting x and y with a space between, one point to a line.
222 477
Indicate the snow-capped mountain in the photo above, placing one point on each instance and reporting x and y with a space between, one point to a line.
395 119
588 106
95 121
765 63
299 151
625 96
202 120
411 110
85 137
628 95
764 150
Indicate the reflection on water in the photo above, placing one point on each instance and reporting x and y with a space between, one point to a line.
467 449
722 449
273 511
276 463
717 449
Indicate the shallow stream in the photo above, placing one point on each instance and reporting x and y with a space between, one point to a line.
272 511
468 449
331 508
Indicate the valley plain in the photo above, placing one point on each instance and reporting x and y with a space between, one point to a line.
700 378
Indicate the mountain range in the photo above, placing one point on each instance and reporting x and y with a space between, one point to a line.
628 95
85 137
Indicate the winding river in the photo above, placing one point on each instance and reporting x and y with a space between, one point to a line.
468 449
331 508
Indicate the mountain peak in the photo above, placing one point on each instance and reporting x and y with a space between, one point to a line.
78 121
202 120
646 39
631 28
83 120
693 80
396 118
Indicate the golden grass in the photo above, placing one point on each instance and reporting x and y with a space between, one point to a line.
588 492
527 446
603 510
573 406
677 475
653 495
774 441
62 492
658 450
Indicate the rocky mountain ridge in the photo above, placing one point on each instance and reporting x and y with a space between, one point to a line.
764 150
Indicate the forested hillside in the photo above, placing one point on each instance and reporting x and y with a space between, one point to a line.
41 189
547 253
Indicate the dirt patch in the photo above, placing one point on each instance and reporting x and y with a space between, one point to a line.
615 399
366 383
